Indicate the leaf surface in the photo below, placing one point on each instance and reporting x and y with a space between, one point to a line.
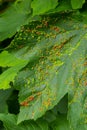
77 113
4 95
61 123
77 3
15 64
15 16
38 7
10 122
54 51
62 6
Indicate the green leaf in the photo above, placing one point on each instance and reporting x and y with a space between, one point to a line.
15 16
62 6
60 109
9 60
61 123
4 95
77 113
8 76
38 7
52 50
15 64
63 105
10 122
77 3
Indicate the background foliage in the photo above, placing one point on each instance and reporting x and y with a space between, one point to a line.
43 65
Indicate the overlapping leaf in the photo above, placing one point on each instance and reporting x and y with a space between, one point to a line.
38 7
61 123
14 64
10 122
77 3
15 16
3 98
64 5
